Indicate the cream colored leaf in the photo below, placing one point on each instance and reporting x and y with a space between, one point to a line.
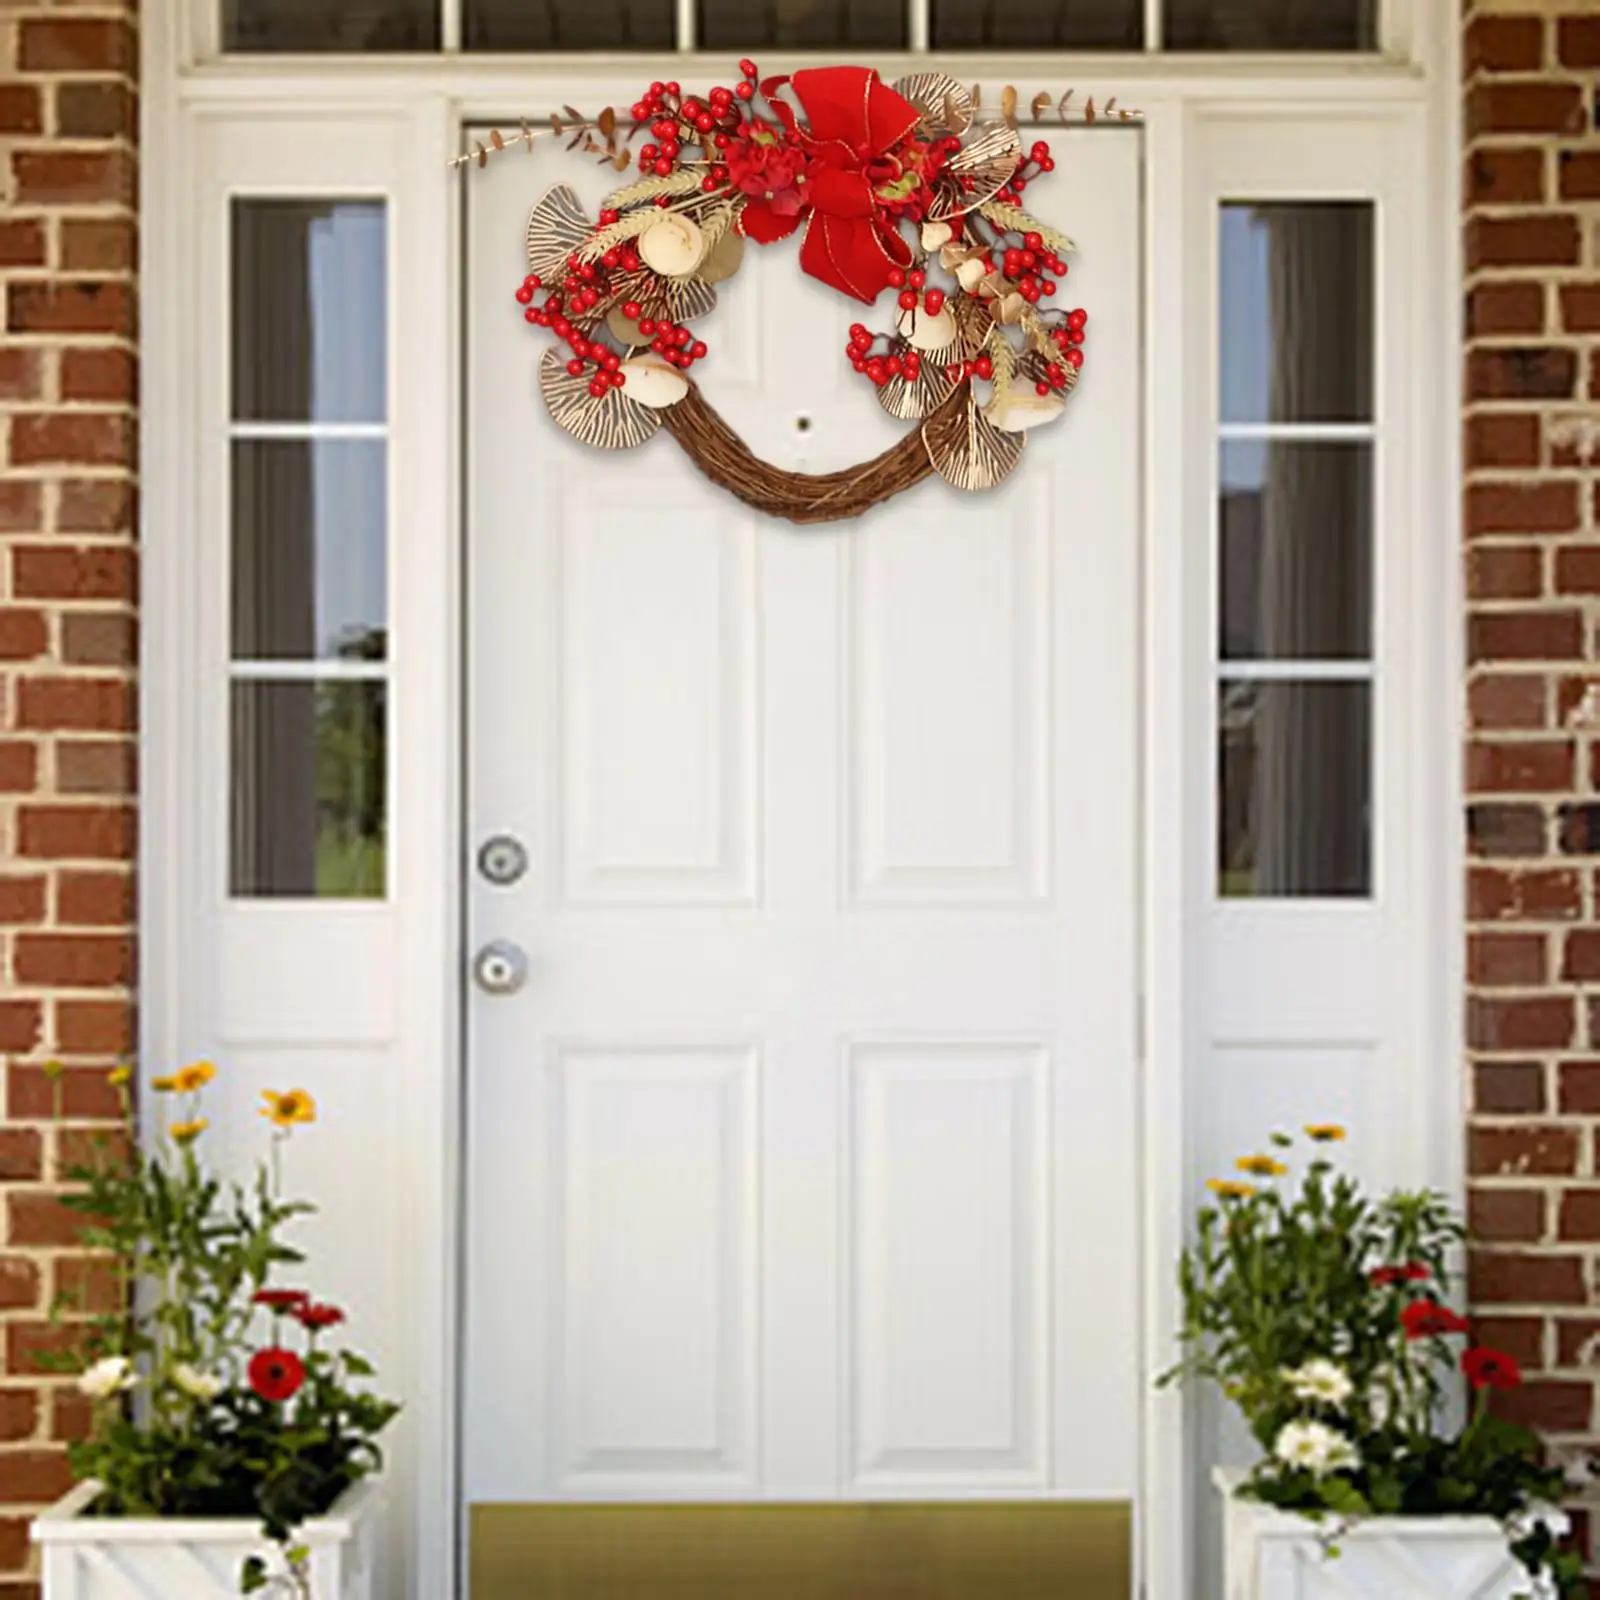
911 399
604 422
1008 104
557 225
966 450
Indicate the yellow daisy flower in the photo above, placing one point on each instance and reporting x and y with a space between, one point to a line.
188 1132
120 1077
166 1084
1261 1166
1230 1188
286 1109
193 1077
1325 1132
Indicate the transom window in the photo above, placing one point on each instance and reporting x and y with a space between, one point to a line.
684 25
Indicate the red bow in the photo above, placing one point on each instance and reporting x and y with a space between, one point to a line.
852 119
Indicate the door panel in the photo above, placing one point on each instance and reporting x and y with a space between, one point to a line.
803 1166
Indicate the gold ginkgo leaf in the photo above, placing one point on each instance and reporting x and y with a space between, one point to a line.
604 422
723 259
676 299
943 104
977 172
974 319
966 450
911 399
557 225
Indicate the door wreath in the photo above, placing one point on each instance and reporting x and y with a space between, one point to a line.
901 187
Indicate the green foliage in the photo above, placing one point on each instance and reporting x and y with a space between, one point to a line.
185 1422
1322 1314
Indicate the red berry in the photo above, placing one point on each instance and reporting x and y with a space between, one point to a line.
934 302
648 152
1047 287
709 185
1074 358
662 169
953 371
1041 388
1075 335
894 366
630 309
534 316
859 363
745 91
657 89
647 326
640 110
984 368
673 90
897 278
615 379
532 280
916 277
698 349
598 387
859 333
1032 241
1078 318
747 67
1040 151
524 295
1048 164
705 122
908 299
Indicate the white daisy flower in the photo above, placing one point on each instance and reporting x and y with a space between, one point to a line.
196 1384
107 1377
1322 1381
1315 1448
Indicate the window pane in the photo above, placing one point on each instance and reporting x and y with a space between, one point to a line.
310 570
1296 524
309 315
1272 24
569 25
1297 312
348 25
1294 789
1038 24
802 24
308 789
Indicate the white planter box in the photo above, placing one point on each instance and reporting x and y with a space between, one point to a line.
129 1558
1276 1555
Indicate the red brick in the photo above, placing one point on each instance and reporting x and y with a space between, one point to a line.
100 766
1502 439
79 438
98 639
19 1417
1543 1022
40 1220
1576 1341
1580 1214
22 900
33 1095
88 305
1524 108
1507 960
63 45
24 633
1499 176
1528 239
1579 172
94 572
20 375
1525 635
20 1022
1578 569
98 244
1580 956
1506 308
19 766
1526 766
19 1282
1506 1216
95 1027
79 1149
21 505
96 110
22 243
1523 1151
70 1416
1578 41
95 505
1506 1087
33 1478
86 1284
81 832
94 899
1532 372
1580 307
1502 700
74 960
72 177
1522 1338
1499 831
1500 1277
1548 1405
108 374
15 1543
101 704
1548 506
21 109
1504 44
1527 894
21 1155
1505 572
1579 1088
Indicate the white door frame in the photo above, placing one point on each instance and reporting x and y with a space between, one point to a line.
413 112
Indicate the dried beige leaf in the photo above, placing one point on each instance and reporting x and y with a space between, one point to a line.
496 140
1039 105
1008 104
966 450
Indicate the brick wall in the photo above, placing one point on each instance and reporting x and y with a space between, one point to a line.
1532 199
67 702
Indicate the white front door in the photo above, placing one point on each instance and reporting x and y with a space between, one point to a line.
804 1163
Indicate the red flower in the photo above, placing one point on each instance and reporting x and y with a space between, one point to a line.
281 1299
1387 1277
853 120
1427 1319
1490 1369
317 1316
276 1374
769 170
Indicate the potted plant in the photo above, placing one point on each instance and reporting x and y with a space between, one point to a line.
1324 1316
232 1443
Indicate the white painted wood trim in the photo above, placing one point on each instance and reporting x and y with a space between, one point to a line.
66 1522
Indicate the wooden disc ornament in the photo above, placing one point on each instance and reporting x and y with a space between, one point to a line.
900 187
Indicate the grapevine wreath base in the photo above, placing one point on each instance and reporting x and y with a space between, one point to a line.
901 188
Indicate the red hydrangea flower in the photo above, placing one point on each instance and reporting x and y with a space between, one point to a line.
317 1316
281 1299
766 168
1490 1369
276 1374
1427 1319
